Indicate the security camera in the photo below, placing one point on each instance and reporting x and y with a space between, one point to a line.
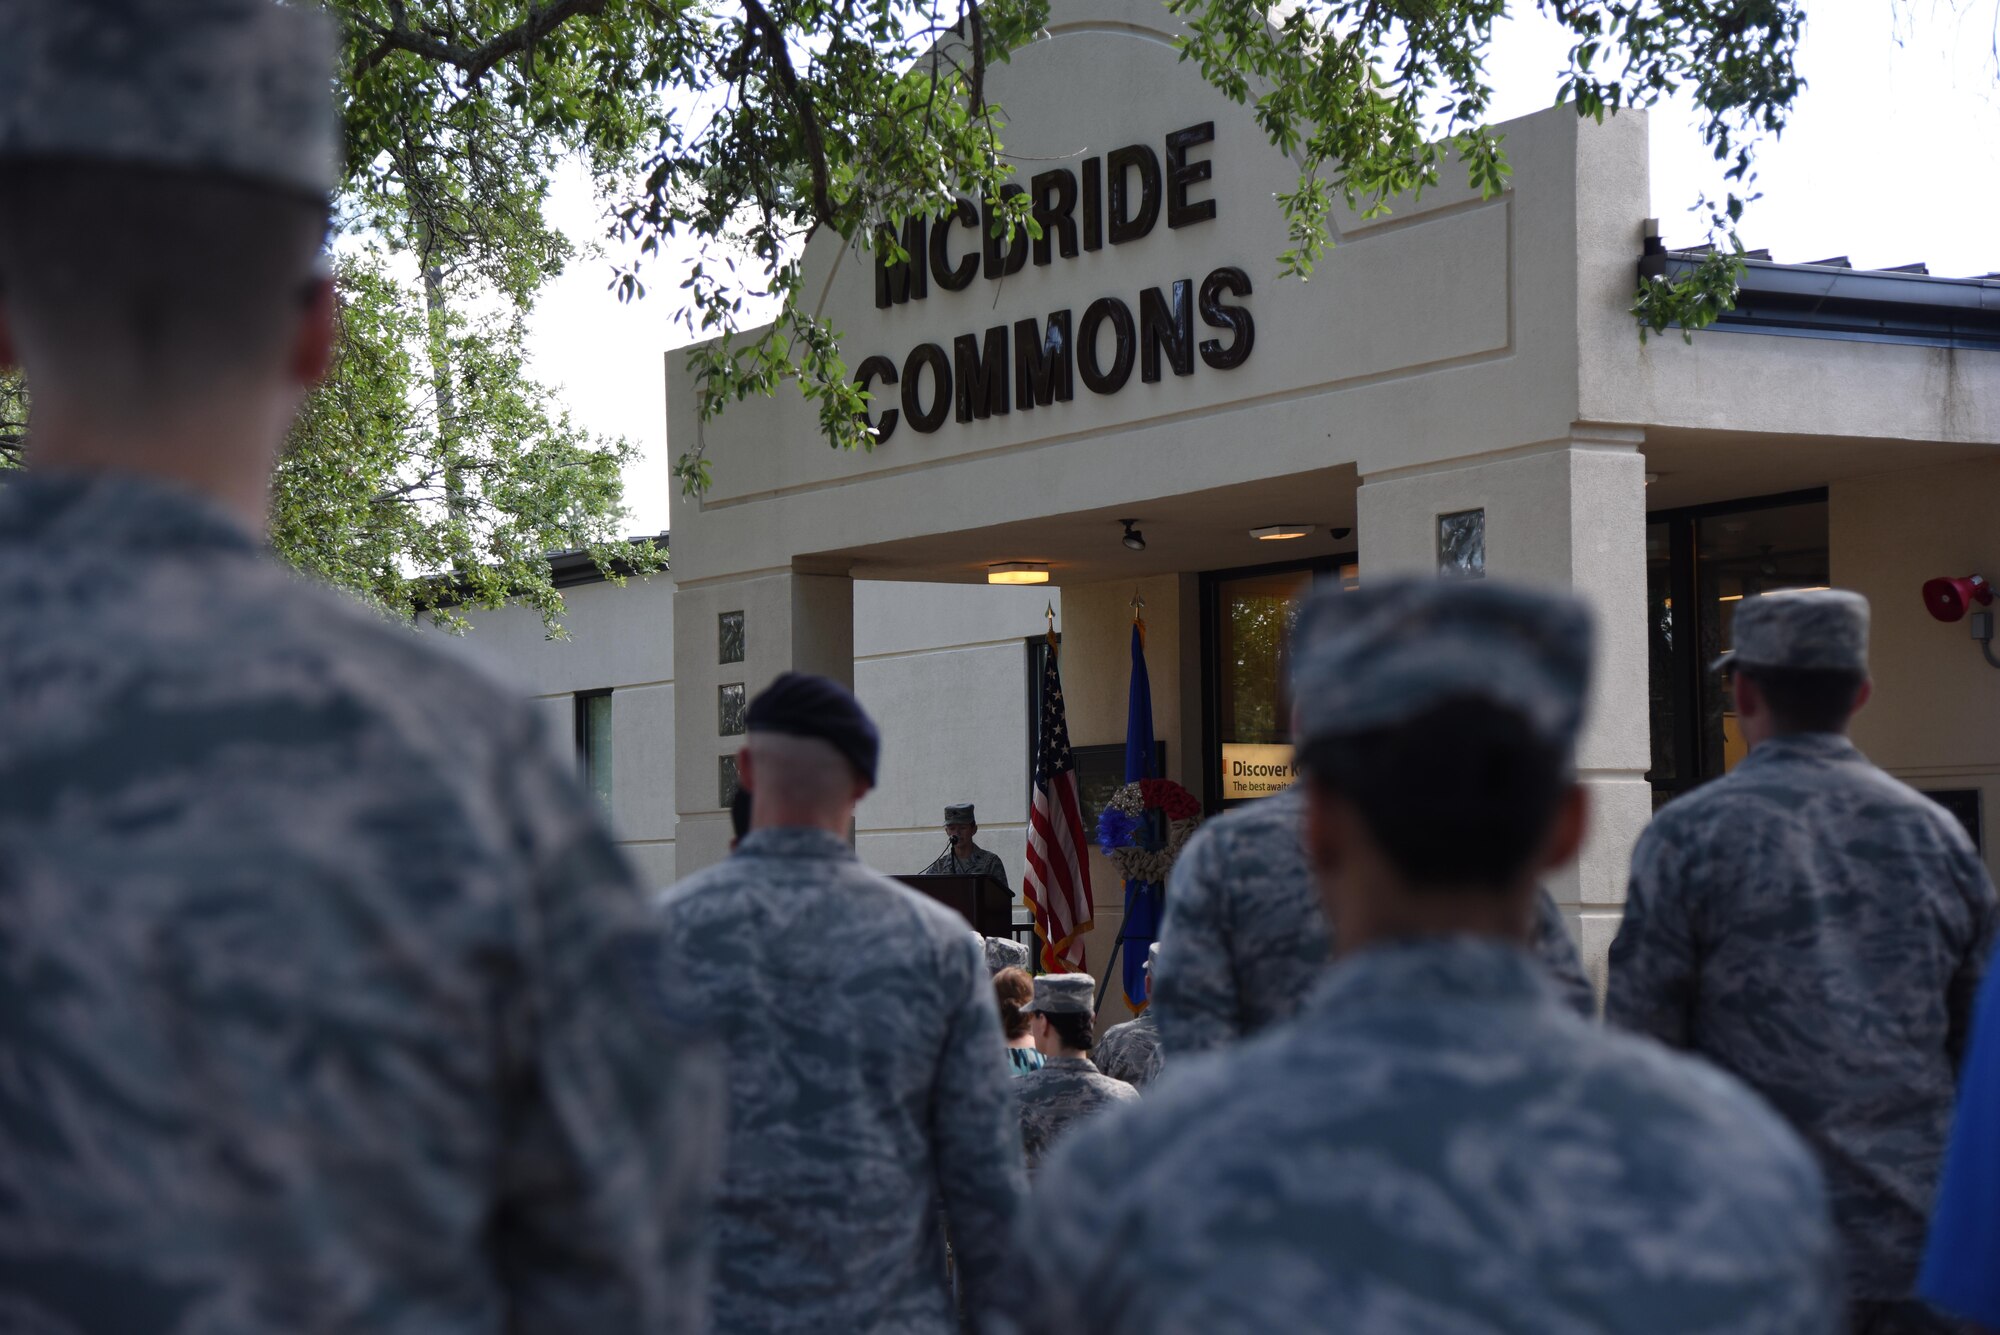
1949 599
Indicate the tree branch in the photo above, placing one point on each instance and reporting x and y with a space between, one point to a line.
473 63
773 41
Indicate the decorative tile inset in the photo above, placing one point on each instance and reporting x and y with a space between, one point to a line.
725 787
729 627
1462 545
730 710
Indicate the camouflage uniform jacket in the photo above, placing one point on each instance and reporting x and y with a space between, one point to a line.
318 974
1245 937
868 1082
1063 1091
983 862
1818 929
1436 1144
1127 1050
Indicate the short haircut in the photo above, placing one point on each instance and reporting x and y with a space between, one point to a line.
152 286
1013 989
1076 1031
739 812
1463 794
1807 699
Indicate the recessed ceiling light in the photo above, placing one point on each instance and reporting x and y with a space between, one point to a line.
1280 532
1017 572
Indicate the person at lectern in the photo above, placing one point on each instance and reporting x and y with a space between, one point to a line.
963 857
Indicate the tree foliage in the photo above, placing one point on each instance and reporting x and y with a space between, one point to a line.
742 127
434 498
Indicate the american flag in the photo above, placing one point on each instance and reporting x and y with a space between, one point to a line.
1057 886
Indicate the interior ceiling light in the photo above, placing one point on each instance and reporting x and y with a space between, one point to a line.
1017 572
1280 532
1133 537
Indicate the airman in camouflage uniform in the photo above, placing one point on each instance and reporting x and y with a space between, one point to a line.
1127 1051
1068 1087
1819 930
976 861
1248 938
867 1078
317 971
1435 1142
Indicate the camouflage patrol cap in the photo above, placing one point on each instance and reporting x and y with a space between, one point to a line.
1003 954
959 813
242 88
1399 646
1064 994
1809 629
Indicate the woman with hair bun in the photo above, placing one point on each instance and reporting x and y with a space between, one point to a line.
1014 989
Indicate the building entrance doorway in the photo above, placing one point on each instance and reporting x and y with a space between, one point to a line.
1701 563
1246 623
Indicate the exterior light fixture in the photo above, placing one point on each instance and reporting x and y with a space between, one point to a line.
1133 537
1281 532
1017 572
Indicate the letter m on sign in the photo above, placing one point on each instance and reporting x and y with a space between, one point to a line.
897 281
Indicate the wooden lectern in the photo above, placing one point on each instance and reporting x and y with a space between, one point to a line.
983 902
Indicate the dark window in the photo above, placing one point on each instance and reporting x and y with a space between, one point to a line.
593 742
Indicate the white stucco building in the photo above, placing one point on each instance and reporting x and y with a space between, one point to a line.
1460 376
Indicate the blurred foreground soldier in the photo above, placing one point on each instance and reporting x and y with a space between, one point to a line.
318 971
866 1081
1127 1051
962 857
1248 938
1067 1087
1818 929
1435 1142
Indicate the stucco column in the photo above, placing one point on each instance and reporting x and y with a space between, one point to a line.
791 622
1570 512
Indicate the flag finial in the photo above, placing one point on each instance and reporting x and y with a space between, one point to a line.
1138 606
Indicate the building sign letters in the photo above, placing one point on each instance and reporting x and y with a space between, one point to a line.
1034 363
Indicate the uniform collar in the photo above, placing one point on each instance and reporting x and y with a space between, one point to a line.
1444 968
795 842
1068 1064
1803 746
115 510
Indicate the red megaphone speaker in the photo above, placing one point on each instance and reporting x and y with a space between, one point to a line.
1950 599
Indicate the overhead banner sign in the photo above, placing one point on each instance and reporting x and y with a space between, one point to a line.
1035 363
1253 769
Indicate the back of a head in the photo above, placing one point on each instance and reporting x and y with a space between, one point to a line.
1807 652
164 176
1447 714
148 289
1461 795
1013 989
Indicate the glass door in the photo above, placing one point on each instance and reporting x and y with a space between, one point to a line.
1701 564
1247 619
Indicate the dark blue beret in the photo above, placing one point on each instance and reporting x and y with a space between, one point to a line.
800 705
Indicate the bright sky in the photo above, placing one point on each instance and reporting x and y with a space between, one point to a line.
1893 156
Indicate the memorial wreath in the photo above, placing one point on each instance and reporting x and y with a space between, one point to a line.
1144 827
